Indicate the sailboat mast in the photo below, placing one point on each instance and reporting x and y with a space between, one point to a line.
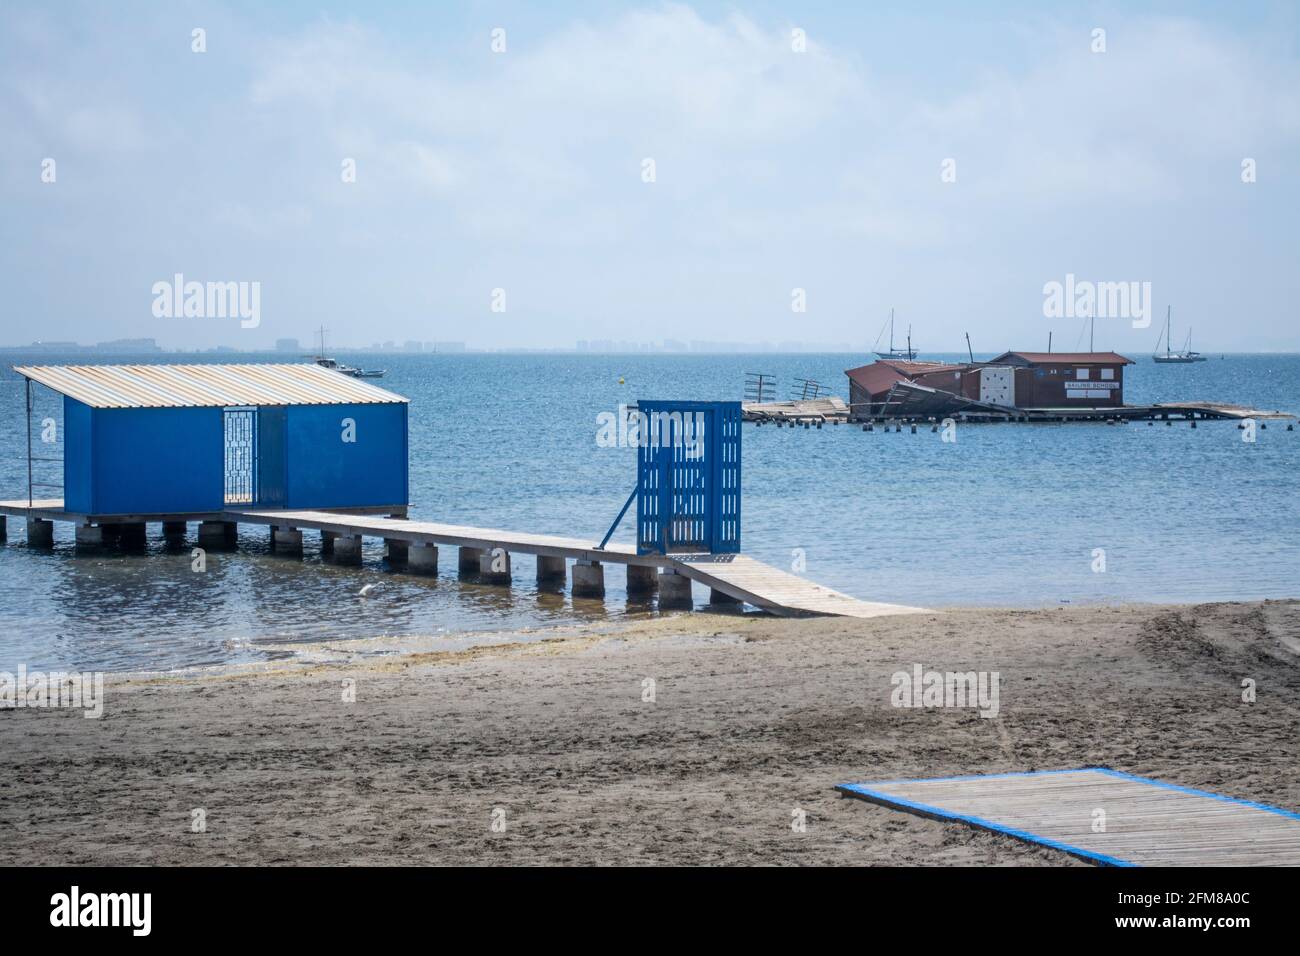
891 330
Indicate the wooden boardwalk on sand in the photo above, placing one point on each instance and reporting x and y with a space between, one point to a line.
737 576
1146 822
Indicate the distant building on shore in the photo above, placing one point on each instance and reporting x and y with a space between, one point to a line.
1012 380
128 345
135 346
39 346
287 345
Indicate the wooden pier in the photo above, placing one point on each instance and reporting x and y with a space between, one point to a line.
731 578
1104 816
1168 412
830 410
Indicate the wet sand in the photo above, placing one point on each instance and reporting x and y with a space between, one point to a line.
752 719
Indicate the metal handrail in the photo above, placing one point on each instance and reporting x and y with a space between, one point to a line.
610 533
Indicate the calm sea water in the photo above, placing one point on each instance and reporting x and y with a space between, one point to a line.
1006 515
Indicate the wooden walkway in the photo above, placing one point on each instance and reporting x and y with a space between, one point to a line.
777 591
461 536
807 411
737 576
1146 822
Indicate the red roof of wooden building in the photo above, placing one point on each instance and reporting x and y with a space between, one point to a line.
1063 358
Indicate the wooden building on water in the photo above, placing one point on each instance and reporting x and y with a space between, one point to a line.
1058 379
1013 382
1015 386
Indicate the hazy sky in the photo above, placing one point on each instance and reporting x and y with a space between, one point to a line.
775 170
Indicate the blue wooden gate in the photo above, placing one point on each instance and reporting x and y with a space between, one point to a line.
688 477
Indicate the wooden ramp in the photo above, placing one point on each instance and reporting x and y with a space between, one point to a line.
777 591
736 575
1146 822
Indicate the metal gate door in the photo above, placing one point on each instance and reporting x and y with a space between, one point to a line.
241 456
688 477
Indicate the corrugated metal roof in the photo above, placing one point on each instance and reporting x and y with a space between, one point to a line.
876 377
193 386
879 376
916 368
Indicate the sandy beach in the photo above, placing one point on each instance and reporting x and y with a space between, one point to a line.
552 751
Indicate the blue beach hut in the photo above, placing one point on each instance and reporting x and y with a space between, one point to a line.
196 439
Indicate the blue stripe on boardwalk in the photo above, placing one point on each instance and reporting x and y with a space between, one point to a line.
862 790
873 791
1194 792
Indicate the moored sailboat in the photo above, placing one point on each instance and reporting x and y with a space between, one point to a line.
1184 356
908 354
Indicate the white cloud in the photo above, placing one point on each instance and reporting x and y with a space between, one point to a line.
772 165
